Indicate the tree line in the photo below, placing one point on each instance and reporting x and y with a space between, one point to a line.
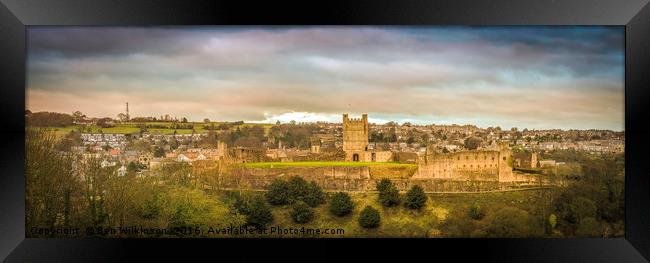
64 190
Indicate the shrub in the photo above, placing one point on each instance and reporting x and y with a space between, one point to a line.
369 217
341 204
572 209
297 188
589 227
384 184
278 193
584 207
388 193
390 197
315 195
415 198
181 215
552 221
508 222
258 213
478 233
151 207
301 213
239 203
476 212
184 207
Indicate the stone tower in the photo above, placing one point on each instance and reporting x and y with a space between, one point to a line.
355 137
505 162
315 144
533 160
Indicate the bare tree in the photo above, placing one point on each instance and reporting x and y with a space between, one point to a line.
52 186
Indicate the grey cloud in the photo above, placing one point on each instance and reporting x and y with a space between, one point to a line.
497 74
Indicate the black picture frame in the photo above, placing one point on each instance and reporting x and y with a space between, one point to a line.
16 15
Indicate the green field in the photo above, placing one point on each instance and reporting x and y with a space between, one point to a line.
132 127
326 164
60 131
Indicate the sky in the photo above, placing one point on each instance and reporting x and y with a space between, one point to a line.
526 77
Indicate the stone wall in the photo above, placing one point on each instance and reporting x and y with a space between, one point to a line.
359 179
342 172
489 165
374 156
447 171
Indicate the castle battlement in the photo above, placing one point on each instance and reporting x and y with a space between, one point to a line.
362 120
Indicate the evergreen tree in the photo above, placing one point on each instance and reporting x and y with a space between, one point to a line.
369 217
415 198
476 212
390 197
341 204
314 196
301 213
259 214
278 193
388 193
383 185
297 188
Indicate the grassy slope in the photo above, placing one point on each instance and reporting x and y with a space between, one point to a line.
402 222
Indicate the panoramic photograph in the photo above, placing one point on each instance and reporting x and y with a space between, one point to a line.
325 132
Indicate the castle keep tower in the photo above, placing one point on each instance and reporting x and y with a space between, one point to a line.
355 137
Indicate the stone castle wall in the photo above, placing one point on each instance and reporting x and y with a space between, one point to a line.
340 172
359 179
375 156
489 165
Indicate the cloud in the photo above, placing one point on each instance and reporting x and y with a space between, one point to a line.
535 77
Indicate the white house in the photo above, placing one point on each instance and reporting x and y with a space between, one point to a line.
121 171
183 158
106 163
